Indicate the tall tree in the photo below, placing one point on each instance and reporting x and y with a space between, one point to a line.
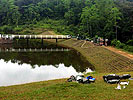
100 17
8 13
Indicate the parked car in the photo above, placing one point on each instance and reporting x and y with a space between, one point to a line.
125 76
111 78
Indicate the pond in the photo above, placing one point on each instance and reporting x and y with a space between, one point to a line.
21 63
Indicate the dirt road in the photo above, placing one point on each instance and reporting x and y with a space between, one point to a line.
130 56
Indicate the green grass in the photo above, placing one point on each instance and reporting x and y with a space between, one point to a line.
105 62
62 90
101 58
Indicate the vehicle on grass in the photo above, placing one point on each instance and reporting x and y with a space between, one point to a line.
113 78
125 76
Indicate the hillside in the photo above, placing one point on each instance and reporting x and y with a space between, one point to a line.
102 58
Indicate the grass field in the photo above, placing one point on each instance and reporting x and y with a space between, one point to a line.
62 90
105 62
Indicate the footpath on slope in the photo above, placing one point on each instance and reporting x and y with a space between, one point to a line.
118 51
130 56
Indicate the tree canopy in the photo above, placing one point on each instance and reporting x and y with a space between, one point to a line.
111 19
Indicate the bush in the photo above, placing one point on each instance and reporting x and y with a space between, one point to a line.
121 45
115 42
18 29
25 26
130 42
128 48
27 32
8 30
118 44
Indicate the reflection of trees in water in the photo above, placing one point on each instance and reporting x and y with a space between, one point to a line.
45 58
34 44
48 58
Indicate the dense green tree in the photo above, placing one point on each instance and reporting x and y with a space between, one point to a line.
126 24
8 13
100 18
90 19
111 19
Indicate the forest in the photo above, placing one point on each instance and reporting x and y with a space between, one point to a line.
112 19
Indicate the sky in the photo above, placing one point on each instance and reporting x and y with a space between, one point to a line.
13 74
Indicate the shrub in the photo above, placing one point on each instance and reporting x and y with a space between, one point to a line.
114 42
118 44
128 48
27 32
121 45
18 29
25 26
130 42
8 30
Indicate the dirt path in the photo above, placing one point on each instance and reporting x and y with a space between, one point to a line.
118 51
130 56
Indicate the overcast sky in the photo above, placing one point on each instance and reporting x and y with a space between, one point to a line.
11 74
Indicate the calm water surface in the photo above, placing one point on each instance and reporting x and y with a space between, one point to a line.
19 67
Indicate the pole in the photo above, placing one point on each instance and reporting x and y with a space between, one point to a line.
42 41
56 40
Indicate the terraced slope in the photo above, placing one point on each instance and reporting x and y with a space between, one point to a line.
103 59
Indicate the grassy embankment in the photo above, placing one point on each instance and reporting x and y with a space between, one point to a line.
62 90
105 62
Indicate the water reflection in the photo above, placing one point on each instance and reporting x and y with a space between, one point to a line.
11 74
24 67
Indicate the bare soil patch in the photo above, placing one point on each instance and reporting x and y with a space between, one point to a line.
130 56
